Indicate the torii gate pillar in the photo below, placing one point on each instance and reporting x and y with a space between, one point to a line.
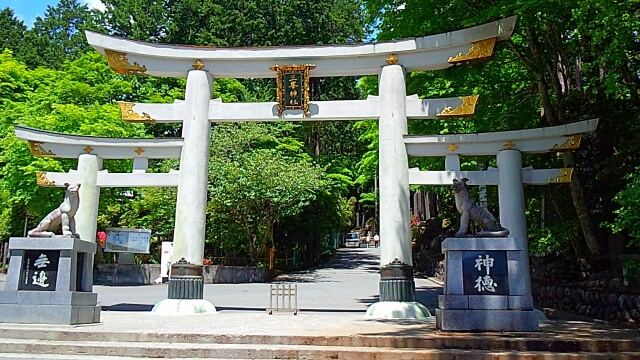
512 211
397 288
89 198
185 293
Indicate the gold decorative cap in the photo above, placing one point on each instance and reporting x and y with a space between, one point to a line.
391 59
198 65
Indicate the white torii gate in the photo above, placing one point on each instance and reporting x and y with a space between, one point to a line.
390 60
90 152
460 309
507 146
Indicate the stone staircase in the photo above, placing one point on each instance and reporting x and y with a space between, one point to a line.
58 344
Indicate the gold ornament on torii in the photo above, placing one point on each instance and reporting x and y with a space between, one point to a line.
479 50
119 62
467 108
128 114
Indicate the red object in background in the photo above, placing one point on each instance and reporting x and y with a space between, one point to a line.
102 238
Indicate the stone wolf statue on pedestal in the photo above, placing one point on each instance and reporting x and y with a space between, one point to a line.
469 210
62 216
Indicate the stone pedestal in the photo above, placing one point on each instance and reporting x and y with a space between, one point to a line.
186 291
397 295
485 288
396 282
49 282
186 281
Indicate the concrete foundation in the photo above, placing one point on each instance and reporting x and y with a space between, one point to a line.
486 320
48 283
183 307
397 310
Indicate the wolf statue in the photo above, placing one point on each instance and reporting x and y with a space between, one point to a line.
469 210
62 216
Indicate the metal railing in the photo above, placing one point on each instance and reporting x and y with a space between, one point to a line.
286 298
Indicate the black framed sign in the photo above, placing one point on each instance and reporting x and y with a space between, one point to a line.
293 87
485 273
39 270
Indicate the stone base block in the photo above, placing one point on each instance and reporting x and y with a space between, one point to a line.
397 310
484 302
459 302
49 314
183 307
49 307
48 298
486 320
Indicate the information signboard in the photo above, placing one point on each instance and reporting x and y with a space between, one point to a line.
128 240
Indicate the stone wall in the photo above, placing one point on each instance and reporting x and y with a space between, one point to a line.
562 284
146 274
125 274
218 274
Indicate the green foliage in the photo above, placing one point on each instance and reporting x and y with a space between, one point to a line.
262 176
627 215
632 271
260 179
57 37
236 23
565 62
11 30
65 101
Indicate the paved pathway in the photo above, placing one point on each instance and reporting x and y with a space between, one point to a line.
333 299
348 283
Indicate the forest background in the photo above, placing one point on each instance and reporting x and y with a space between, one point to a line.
296 187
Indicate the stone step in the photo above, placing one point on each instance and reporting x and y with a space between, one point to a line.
518 342
91 349
16 356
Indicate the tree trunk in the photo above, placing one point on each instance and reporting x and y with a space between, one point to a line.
251 242
584 216
554 113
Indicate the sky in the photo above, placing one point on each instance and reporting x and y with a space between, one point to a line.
28 10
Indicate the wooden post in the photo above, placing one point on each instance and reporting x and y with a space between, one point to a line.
5 253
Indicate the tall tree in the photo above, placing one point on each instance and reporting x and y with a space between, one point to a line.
79 100
59 36
251 23
578 59
11 31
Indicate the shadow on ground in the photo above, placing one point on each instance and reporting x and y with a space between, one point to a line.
345 259
354 260
127 307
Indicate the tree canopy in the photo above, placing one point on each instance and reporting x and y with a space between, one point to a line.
286 185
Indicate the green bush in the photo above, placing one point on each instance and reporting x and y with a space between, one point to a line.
628 214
